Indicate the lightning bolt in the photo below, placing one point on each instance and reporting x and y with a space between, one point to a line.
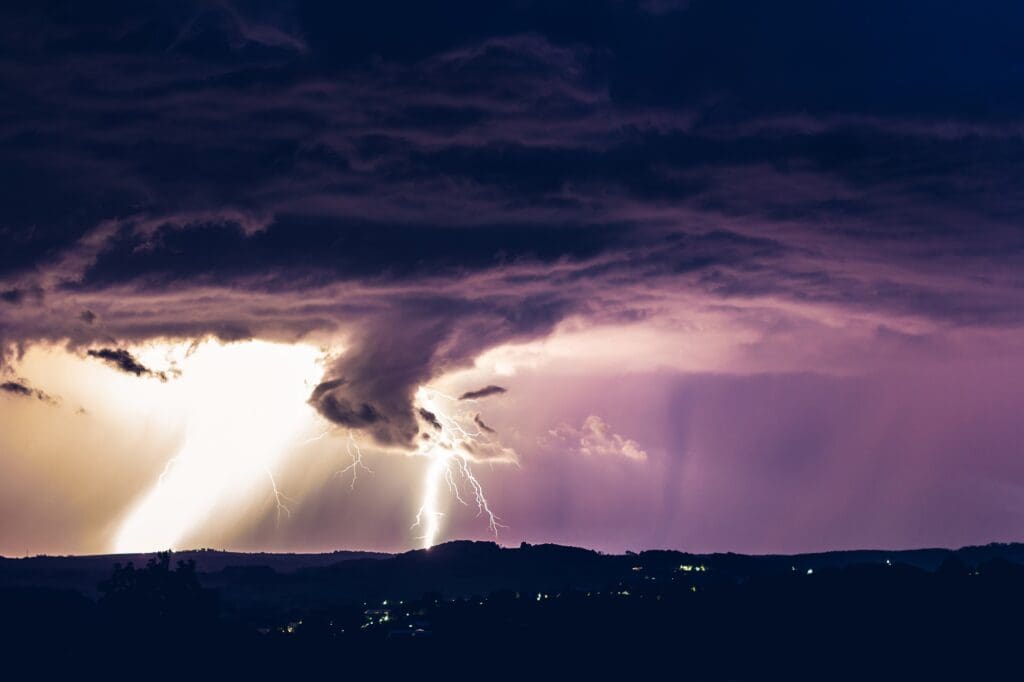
167 469
355 453
452 444
279 497
452 447
320 436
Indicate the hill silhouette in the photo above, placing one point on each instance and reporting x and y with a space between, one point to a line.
455 569
84 573
912 614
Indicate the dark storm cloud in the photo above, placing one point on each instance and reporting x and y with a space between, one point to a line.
395 351
467 147
429 417
324 387
431 187
122 360
21 389
338 249
16 388
345 413
482 392
18 296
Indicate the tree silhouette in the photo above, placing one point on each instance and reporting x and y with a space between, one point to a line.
157 597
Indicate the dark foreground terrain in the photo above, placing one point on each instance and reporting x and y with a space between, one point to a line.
475 610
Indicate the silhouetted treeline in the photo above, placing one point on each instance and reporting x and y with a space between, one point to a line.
157 599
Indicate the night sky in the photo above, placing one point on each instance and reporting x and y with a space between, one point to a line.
705 274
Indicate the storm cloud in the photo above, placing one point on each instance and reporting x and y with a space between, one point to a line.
240 174
482 424
391 354
21 389
429 417
121 360
482 392
478 188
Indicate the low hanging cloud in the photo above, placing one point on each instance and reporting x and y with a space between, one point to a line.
482 424
482 392
122 360
372 384
20 389
347 413
595 438
322 388
430 418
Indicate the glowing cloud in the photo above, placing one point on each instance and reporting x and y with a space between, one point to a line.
595 438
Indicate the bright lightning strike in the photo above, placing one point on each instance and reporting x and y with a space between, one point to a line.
451 447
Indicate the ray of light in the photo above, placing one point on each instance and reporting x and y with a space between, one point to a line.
244 402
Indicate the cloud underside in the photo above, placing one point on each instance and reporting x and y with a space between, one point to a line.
312 173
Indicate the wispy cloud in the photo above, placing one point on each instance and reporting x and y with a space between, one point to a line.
21 389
